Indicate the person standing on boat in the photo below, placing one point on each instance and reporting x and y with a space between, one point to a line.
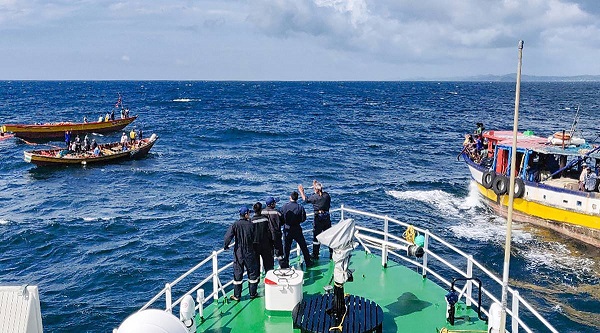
263 239
132 136
86 143
321 202
244 255
124 141
275 223
68 139
590 180
293 216
479 130
583 176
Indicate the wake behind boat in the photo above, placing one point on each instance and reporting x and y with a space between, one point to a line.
105 153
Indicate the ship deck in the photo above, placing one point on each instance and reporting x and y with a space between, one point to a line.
410 303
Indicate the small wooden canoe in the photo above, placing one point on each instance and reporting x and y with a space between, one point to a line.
57 130
109 152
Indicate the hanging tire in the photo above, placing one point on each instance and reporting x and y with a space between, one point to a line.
519 188
487 180
500 186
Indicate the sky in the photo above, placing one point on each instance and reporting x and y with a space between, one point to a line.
294 40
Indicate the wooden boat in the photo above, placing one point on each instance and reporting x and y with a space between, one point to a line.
109 152
547 188
57 130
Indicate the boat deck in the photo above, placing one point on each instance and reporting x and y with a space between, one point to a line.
409 302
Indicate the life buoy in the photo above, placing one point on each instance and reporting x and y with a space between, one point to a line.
561 136
500 185
519 188
487 180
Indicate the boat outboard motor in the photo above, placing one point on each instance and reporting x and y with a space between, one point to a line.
187 313
151 321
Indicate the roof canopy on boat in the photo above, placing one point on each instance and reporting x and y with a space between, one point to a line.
538 144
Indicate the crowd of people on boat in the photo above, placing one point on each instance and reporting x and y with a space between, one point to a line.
86 146
110 116
474 144
267 234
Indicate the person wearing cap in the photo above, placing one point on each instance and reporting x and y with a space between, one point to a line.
321 202
293 216
244 255
275 223
263 240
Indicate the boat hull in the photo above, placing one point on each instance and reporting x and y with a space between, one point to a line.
57 131
49 158
572 213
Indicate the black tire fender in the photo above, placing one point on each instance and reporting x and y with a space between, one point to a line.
519 188
487 180
500 186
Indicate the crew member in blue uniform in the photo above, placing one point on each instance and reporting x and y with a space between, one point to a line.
293 216
244 254
263 240
321 202
275 224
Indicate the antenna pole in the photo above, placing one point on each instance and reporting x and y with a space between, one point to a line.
511 194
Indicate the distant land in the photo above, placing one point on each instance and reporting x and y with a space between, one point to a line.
525 78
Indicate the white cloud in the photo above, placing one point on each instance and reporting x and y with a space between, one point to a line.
125 58
427 38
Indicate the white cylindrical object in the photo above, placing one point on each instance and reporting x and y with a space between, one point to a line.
495 316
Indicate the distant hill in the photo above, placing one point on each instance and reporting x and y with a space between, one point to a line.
525 78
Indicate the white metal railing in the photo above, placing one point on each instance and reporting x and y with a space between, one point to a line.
388 244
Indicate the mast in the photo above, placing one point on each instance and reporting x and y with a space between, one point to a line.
511 194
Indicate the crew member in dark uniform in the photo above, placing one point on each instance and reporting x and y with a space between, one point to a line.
321 202
275 223
244 254
263 240
293 216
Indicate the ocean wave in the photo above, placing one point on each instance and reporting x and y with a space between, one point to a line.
186 100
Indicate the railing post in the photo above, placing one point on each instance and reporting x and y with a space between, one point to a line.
514 326
215 267
169 303
342 212
470 282
200 300
425 247
384 250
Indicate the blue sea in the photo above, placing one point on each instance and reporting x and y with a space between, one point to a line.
100 241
